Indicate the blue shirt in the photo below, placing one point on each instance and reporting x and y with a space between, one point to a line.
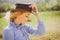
21 32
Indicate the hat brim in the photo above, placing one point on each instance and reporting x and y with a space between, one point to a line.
23 7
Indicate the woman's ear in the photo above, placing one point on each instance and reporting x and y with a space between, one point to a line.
12 19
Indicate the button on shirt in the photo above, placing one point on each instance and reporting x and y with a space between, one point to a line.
21 32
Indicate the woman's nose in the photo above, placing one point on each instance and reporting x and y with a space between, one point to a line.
29 20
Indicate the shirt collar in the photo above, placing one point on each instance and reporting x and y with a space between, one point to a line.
15 26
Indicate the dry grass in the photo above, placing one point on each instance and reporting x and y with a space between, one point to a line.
1 29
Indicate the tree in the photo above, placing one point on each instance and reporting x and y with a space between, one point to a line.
4 7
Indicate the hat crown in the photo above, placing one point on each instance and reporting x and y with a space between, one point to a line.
23 7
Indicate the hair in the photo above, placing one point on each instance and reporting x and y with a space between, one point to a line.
14 13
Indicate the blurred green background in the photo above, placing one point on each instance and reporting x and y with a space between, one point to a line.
50 14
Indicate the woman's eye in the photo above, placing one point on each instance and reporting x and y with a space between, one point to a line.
26 16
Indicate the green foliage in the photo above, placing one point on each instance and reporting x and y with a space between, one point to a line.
2 15
47 5
3 22
58 3
41 6
5 7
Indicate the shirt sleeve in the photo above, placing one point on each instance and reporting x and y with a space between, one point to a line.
8 35
40 30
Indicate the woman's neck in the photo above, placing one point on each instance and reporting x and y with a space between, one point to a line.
17 22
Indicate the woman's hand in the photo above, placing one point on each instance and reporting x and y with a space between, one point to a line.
34 9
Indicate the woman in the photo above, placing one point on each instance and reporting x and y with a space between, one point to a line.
17 28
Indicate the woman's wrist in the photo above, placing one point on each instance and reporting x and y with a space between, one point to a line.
38 17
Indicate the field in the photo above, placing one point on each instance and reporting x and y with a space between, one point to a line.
52 24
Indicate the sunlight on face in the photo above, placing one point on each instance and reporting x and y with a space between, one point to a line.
24 17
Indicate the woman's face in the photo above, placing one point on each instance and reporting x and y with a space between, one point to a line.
24 17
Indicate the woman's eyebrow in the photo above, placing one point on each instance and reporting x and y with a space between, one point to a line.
28 14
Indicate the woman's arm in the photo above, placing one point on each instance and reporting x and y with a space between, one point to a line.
8 35
40 30
40 27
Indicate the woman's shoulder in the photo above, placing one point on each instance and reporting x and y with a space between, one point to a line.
7 28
